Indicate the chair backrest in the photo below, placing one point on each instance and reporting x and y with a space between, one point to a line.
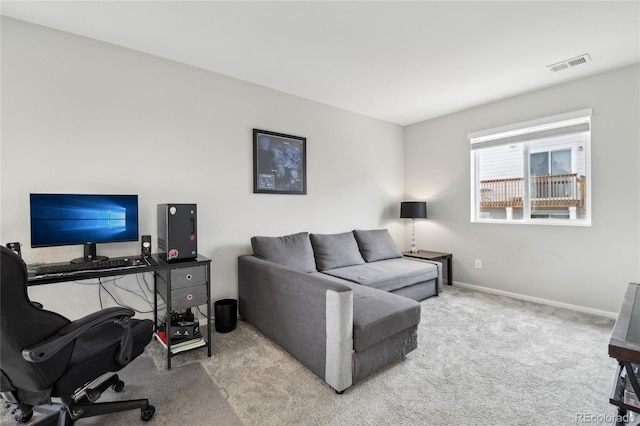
24 325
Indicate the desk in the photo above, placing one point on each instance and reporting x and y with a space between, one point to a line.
157 264
172 281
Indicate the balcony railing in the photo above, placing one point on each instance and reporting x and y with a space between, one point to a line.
566 190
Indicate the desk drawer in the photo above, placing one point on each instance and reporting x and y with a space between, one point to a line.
186 297
186 277
183 297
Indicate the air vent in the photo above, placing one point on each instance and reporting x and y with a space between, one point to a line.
559 67
579 60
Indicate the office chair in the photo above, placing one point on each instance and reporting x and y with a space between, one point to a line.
45 355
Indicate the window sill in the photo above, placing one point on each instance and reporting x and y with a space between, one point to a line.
552 222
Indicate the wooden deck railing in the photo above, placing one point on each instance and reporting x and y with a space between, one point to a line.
566 190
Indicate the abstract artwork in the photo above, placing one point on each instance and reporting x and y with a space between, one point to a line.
279 163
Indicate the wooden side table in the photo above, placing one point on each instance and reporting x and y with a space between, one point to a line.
438 257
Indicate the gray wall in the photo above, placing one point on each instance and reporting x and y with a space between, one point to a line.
588 267
82 116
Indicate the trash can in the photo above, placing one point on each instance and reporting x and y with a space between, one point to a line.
225 312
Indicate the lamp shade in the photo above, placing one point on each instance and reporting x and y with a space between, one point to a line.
413 210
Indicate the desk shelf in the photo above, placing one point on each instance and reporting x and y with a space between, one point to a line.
617 395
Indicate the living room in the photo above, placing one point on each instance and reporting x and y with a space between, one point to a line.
80 115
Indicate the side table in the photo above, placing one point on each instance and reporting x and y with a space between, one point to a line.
183 284
438 257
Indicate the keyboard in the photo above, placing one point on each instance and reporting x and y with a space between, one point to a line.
89 266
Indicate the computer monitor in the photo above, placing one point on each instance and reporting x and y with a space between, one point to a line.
72 219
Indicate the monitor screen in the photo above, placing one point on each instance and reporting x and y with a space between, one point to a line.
70 219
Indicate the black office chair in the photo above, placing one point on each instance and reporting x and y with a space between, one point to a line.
44 355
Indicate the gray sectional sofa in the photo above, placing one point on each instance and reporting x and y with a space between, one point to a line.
344 305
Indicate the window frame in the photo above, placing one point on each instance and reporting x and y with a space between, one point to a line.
526 132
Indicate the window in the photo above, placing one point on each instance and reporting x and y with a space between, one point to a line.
533 172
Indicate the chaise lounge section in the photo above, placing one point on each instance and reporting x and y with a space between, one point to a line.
344 305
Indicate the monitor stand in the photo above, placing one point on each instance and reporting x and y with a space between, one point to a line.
89 254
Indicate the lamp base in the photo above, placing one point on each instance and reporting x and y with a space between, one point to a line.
413 249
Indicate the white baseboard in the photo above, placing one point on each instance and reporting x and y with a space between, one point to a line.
554 303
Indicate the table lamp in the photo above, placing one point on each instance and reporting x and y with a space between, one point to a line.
413 210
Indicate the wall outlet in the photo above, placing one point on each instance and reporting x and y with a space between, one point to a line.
478 264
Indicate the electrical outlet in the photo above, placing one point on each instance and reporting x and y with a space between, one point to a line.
478 264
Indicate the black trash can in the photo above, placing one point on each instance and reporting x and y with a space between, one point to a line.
225 312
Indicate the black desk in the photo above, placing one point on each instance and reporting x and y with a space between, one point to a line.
171 281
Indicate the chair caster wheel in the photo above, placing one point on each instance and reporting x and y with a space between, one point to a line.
22 413
147 413
118 386
23 418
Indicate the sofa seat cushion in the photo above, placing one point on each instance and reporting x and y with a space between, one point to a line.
387 275
379 315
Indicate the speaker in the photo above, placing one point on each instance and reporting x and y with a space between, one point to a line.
177 231
15 247
145 246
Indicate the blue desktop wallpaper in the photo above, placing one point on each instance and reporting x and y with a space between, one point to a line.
69 219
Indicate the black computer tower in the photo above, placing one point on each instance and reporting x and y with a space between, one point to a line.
177 231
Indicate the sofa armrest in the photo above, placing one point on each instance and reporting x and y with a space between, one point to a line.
439 265
309 316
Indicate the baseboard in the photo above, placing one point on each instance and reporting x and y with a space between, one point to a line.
549 302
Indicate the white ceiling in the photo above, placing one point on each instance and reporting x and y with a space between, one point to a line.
401 62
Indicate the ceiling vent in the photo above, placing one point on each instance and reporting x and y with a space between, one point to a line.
579 60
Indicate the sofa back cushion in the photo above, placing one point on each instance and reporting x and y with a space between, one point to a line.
376 244
294 251
335 250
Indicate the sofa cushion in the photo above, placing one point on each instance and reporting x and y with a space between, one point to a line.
387 275
335 250
376 244
294 251
378 315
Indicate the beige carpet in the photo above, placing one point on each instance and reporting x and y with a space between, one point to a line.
482 360
186 393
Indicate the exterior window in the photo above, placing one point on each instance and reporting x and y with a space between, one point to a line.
534 172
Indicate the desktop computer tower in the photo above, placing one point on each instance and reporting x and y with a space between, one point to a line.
177 231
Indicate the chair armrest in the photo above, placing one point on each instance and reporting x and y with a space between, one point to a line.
116 315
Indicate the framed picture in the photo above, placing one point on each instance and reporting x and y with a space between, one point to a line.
279 163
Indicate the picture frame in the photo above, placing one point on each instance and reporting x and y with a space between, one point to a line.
279 163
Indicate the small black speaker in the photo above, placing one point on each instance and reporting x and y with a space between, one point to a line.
146 246
15 247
